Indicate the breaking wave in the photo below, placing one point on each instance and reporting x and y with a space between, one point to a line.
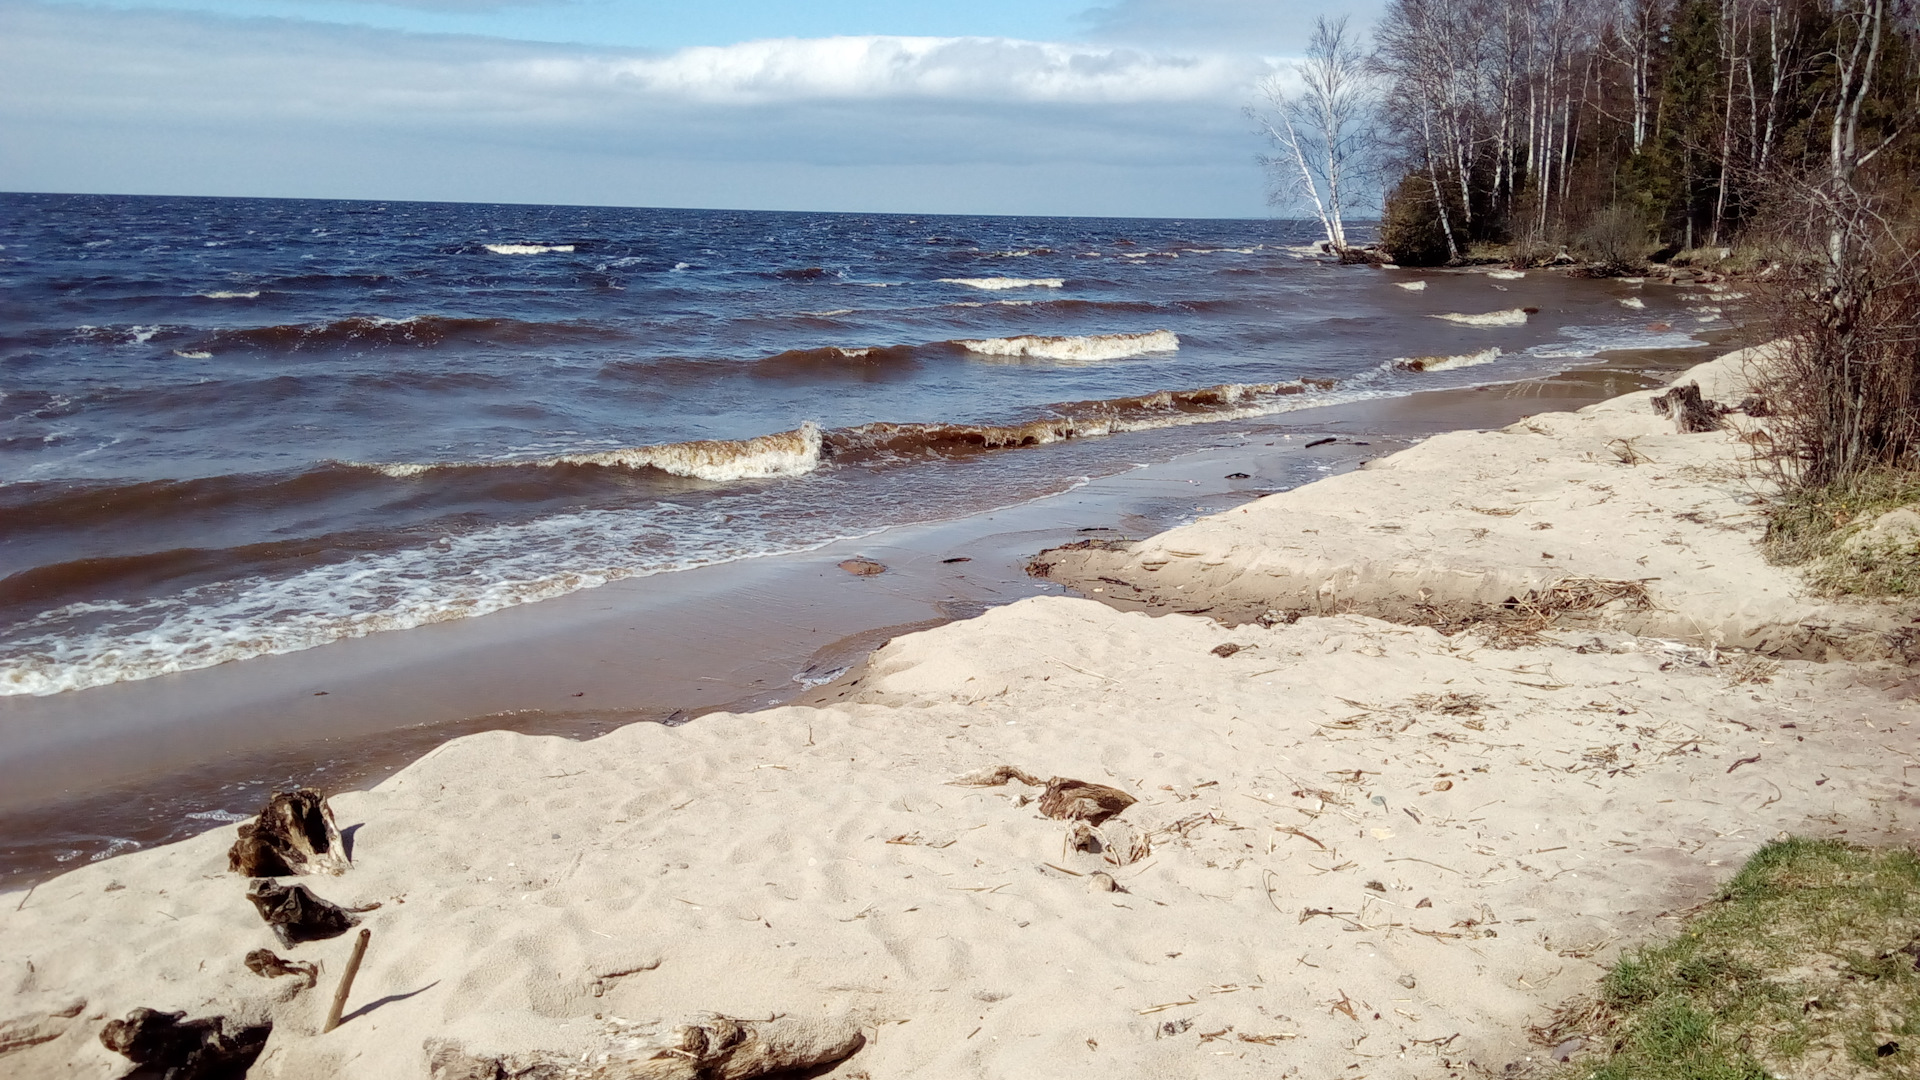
786 453
1506 275
529 249
1444 363
221 294
996 284
1081 349
1509 317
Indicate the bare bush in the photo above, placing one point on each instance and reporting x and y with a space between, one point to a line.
1616 239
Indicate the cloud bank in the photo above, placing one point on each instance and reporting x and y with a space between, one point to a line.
91 98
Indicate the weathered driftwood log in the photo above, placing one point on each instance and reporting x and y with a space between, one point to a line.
171 1046
294 834
1077 800
711 1048
269 965
1691 413
1065 799
297 915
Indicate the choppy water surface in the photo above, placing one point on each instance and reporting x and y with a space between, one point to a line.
234 427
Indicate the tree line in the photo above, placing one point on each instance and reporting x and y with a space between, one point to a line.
1597 124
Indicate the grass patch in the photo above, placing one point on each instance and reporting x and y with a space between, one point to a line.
1803 966
1830 531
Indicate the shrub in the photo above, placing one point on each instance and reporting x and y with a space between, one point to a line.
1410 231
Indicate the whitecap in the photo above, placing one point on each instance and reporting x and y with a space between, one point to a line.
1509 317
528 249
1632 302
1444 363
1506 275
221 294
1078 349
995 284
1412 286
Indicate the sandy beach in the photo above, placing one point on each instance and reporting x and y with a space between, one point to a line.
1357 847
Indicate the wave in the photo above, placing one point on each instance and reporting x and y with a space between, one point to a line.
1632 302
1412 286
833 361
419 331
1081 349
221 294
1079 420
529 249
996 284
1506 275
784 454
1509 317
1444 363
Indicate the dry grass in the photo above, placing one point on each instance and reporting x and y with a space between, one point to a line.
1803 966
1522 619
1819 527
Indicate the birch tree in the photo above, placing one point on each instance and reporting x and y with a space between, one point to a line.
1320 132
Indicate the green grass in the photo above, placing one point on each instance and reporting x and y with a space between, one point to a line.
1794 970
1812 527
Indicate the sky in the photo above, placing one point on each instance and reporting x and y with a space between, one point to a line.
1126 108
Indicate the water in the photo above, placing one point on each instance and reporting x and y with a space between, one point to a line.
233 427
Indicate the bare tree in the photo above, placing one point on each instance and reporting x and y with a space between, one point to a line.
1321 133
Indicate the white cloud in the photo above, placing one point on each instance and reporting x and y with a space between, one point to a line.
270 106
967 69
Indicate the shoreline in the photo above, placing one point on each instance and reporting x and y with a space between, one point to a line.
77 769
1353 844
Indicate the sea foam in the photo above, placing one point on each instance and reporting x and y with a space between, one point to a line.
784 454
996 284
1445 363
1509 317
528 249
1082 349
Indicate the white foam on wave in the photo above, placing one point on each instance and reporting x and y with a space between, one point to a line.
457 578
785 454
192 354
1589 341
1506 275
143 334
528 249
1078 349
1632 302
1412 286
996 284
1509 317
1444 363
222 294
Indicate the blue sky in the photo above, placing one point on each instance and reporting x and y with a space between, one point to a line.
1130 107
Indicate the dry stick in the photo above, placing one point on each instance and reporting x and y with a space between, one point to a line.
346 981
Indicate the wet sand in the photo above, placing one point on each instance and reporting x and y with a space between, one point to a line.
94 772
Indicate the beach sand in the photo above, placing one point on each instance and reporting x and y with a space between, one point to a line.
95 772
1360 847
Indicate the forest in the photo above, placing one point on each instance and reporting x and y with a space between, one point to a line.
1771 140
1600 125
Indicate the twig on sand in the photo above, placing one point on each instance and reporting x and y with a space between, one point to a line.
1743 761
29 896
1291 831
1429 862
1082 671
346 981
1169 1005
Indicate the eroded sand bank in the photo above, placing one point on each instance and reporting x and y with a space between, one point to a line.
1373 849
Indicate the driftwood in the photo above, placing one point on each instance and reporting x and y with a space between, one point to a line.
710 1048
1077 800
171 1046
297 915
269 965
346 982
294 834
1064 800
1691 413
